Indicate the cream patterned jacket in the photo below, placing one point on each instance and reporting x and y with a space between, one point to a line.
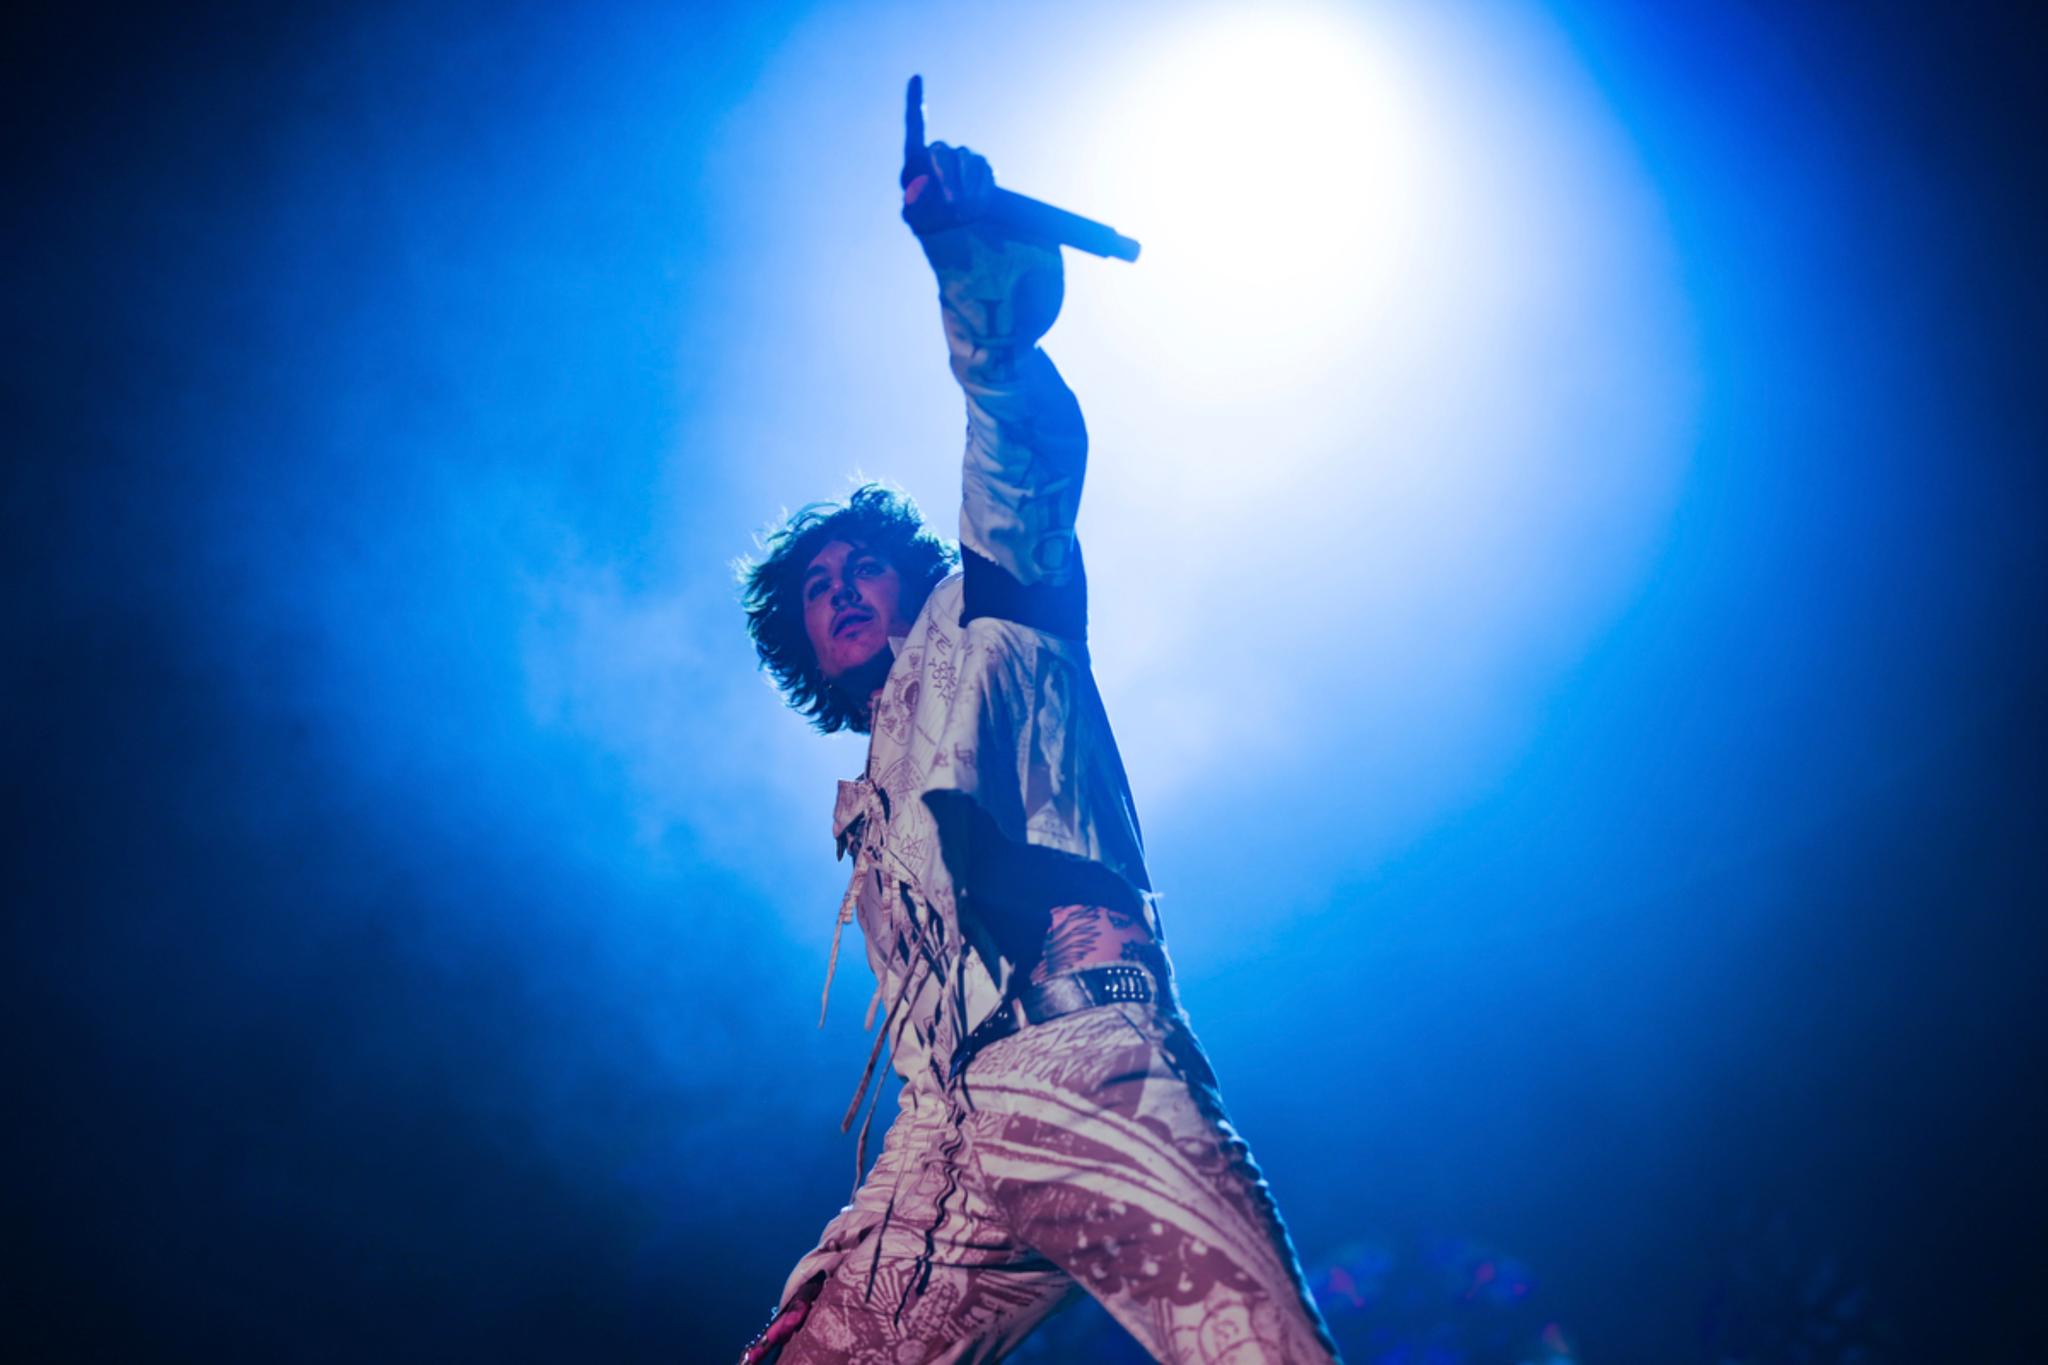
986 728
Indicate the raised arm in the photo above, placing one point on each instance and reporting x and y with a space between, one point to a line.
1026 444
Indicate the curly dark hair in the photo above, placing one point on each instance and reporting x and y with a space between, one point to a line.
884 520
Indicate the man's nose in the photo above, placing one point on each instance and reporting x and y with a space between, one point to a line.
845 595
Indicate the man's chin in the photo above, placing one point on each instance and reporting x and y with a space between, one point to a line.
863 680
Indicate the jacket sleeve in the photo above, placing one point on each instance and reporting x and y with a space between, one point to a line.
1027 447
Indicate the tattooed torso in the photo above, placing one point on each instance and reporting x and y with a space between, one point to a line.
1088 936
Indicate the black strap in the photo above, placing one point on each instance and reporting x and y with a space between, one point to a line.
1055 608
1068 993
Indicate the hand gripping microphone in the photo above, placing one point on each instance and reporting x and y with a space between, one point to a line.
1015 215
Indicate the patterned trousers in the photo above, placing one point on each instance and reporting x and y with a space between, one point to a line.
1089 1153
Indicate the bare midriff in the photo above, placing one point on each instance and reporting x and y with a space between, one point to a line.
1090 936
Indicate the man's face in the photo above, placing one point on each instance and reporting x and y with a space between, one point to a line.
853 603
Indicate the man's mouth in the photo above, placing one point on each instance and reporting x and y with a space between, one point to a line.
851 619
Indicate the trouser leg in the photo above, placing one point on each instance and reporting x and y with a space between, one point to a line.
1099 1140
935 1279
960 1315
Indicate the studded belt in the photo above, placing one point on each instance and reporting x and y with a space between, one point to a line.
1066 994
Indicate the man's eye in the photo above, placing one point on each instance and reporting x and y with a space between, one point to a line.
868 568
817 585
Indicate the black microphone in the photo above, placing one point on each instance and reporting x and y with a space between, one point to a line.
1016 215
1021 216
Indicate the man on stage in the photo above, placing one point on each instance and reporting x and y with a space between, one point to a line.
1058 1128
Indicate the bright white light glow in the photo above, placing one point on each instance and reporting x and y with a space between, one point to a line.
1268 161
